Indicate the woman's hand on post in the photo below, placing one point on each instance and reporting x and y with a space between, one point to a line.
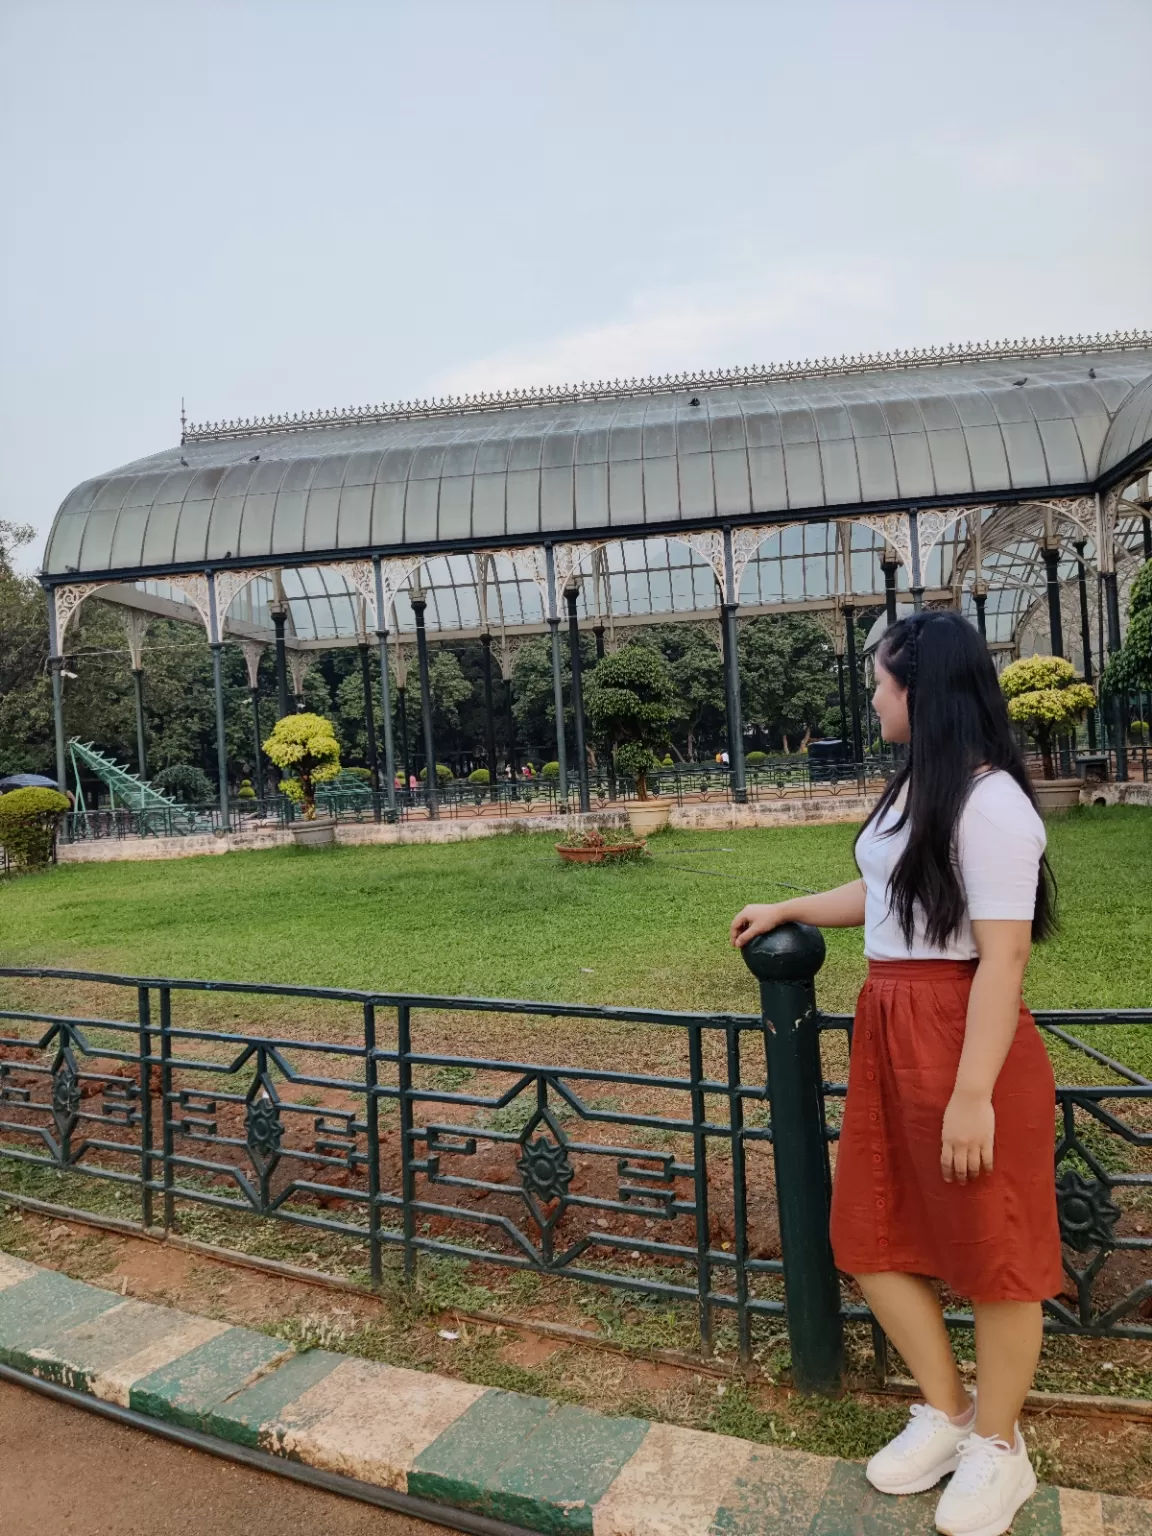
967 1138
760 917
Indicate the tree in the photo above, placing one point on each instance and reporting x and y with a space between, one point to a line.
787 676
1130 669
1046 698
630 705
306 745
696 670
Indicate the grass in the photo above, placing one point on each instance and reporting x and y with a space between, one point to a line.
502 917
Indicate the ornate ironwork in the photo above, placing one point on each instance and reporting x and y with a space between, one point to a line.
66 603
613 1175
1088 1216
669 383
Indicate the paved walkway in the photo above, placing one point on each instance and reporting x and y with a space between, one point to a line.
525 1460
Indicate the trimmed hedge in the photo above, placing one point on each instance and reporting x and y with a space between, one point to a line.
28 820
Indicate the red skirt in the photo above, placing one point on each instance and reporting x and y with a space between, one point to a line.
995 1238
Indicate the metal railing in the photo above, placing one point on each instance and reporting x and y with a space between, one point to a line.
704 1184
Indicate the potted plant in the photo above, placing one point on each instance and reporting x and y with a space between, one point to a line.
596 845
1047 698
305 746
629 702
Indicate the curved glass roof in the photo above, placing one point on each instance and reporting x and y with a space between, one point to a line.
644 459
1131 429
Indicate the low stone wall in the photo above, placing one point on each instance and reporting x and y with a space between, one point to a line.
1117 794
788 810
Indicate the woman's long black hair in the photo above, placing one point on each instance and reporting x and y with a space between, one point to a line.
959 725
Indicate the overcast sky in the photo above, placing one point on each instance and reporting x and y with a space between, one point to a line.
261 205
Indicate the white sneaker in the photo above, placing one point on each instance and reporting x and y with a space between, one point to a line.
924 1451
992 1481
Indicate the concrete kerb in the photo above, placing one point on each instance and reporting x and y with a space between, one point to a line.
537 1464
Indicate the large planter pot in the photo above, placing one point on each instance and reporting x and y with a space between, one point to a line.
314 834
1057 794
596 855
648 816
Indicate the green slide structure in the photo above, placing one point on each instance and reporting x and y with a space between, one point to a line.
158 814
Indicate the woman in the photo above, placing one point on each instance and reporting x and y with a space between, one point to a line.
944 1170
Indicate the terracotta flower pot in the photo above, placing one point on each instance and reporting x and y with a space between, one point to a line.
572 855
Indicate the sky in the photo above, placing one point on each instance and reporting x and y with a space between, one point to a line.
263 205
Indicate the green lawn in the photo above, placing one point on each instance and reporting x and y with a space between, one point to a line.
502 917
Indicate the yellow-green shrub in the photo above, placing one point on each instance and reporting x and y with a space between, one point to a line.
28 820
1047 698
306 745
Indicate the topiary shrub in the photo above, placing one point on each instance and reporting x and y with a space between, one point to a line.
479 776
550 771
28 820
185 782
364 774
1138 732
629 702
443 774
245 792
755 759
1046 697
306 745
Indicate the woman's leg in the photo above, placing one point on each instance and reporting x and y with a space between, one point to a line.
1008 1339
906 1308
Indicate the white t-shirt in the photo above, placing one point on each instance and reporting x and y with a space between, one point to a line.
1000 840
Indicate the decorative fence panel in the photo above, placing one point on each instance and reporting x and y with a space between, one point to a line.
693 1168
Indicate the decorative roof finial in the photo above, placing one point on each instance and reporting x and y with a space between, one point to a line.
183 422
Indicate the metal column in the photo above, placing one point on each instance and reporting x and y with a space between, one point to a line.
141 750
279 619
853 683
1051 558
489 716
385 692
1085 633
557 680
370 720
731 638
571 594
890 567
431 786
218 689
257 755
1112 609
916 573
981 599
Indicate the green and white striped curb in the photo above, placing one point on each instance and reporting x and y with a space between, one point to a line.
525 1460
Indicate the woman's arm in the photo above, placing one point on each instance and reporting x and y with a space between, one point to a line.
993 1013
841 908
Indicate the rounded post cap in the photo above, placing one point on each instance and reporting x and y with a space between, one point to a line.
792 952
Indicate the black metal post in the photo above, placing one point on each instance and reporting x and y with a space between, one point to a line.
512 763
221 742
258 759
56 665
598 631
431 787
981 599
916 573
785 963
370 724
853 683
1112 609
141 750
386 721
558 706
1085 633
733 712
890 567
571 593
840 690
279 619
1146 528
489 716
402 716
1051 558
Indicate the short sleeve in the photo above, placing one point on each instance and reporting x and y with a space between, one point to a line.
1000 844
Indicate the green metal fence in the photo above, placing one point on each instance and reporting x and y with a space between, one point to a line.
695 1170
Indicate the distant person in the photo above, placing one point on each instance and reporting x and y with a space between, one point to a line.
944 1167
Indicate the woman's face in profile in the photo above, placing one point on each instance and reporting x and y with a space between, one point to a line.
890 701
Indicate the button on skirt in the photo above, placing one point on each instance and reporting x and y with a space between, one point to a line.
995 1238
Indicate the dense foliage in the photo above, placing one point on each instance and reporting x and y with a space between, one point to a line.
1130 669
630 707
185 782
28 820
